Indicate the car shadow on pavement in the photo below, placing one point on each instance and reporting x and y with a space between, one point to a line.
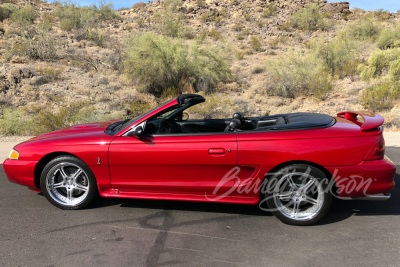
340 210
183 206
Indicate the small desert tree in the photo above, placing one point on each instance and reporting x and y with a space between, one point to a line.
157 63
310 18
299 74
383 68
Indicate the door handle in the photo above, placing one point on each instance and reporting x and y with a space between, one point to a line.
216 151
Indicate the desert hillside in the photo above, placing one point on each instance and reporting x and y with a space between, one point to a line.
63 64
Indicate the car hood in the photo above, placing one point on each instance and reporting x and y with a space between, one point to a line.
80 129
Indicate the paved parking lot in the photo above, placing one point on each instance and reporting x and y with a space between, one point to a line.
163 233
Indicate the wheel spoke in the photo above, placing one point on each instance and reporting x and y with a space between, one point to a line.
76 174
58 185
311 200
291 183
285 196
69 195
296 208
81 187
307 186
62 172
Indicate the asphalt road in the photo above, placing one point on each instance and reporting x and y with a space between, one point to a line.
163 233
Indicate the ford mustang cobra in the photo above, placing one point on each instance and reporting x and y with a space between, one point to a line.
290 164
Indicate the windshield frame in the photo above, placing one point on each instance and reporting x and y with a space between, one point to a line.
139 119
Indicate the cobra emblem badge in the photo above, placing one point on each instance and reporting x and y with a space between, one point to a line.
98 161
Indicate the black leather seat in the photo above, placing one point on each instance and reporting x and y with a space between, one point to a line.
233 125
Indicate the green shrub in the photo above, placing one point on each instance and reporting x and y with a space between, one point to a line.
25 15
339 56
381 96
299 74
310 18
17 121
14 121
237 27
394 70
98 37
201 36
247 15
52 119
157 63
363 29
169 93
137 107
47 24
51 72
6 11
239 54
43 47
383 66
255 43
389 38
260 23
74 17
381 63
70 16
48 19
105 11
138 5
243 34
215 16
276 41
215 107
356 13
170 21
382 15
270 10
214 34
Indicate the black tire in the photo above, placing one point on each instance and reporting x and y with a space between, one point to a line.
68 183
288 198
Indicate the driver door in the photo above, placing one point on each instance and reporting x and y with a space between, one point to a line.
177 164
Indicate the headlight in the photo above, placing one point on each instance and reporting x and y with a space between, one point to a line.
14 154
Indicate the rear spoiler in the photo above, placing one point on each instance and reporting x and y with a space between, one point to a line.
371 119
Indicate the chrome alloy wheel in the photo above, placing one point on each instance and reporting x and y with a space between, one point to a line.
67 184
298 196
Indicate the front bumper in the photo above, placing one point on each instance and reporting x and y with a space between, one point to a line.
370 177
20 172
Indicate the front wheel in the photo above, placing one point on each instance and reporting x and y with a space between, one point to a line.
68 183
298 195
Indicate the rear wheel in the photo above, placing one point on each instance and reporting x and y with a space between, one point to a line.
68 183
297 194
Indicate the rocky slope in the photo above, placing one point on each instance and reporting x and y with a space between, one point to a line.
82 70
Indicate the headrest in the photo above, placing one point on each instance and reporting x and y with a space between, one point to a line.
238 116
234 124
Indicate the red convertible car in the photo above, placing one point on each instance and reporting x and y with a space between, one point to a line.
290 164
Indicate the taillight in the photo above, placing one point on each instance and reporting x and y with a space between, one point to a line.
380 149
377 151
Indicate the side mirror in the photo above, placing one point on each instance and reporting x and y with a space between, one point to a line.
139 133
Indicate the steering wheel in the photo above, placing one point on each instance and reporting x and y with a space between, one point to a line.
167 126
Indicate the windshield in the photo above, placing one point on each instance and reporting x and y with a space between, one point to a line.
128 122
